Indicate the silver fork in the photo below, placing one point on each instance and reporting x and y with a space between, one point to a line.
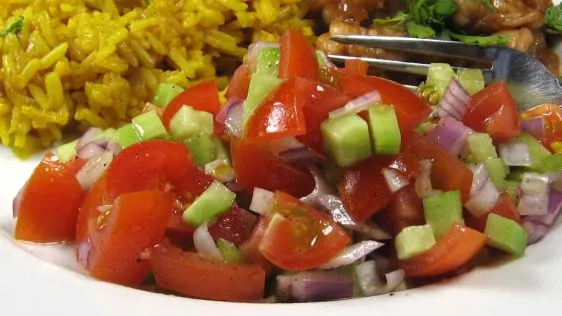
529 81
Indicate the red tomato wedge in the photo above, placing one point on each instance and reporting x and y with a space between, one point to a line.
189 274
298 237
234 226
153 165
405 209
282 115
458 246
447 172
178 232
239 83
49 202
355 68
256 167
494 111
504 207
298 58
410 109
552 115
91 210
75 164
201 97
320 103
363 188
137 221
250 247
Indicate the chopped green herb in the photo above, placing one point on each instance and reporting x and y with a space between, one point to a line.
398 18
490 40
420 31
553 17
13 27
146 2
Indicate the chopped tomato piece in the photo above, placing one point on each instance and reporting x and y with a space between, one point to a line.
363 188
75 164
155 165
179 232
189 274
458 246
91 209
320 103
504 207
137 221
447 172
410 109
552 115
298 237
201 97
239 83
405 209
298 58
355 68
256 167
250 247
283 115
49 202
494 111
234 226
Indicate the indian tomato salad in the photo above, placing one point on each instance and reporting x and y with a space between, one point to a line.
311 183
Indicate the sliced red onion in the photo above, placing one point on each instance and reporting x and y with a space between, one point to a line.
534 126
394 179
555 178
352 254
83 252
536 231
534 194
515 153
261 201
93 170
280 145
450 135
479 178
283 287
205 244
223 113
221 170
357 105
113 147
455 100
554 208
234 121
371 284
16 202
90 150
301 157
88 136
423 180
483 201
311 286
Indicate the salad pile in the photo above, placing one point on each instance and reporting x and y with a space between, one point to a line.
311 183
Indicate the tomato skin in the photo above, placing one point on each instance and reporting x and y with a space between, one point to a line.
363 188
410 109
150 165
447 172
239 83
178 232
201 97
75 164
282 115
319 104
235 226
137 221
250 247
298 58
89 211
405 209
255 167
189 274
552 115
355 68
304 239
458 246
494 111
49 203
504 207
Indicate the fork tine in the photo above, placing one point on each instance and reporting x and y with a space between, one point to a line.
401 66
422 46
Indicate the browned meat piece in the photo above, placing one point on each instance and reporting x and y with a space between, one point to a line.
474 16
521 39
346 10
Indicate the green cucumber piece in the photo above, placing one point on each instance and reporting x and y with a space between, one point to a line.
537 151
216 200
471 79
442 210
66 151
165 93
506 234
385 133
188 122
438 76
261 87
220 151
425 128
202 149
346 139
512 188
127 136
229 251
479 148
516 173
268 61
498 171
149 126
414 240
551 163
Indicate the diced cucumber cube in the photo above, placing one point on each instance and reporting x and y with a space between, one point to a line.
165 93
216 200
261 86
414 240
506 234
127 136
512 188
220 151
537 151
66 151
109 133
497 170
188 123
479 147
346 139
385 133
439 75
149 126
229 251
202 149
442 210
471 79
268 61
552 163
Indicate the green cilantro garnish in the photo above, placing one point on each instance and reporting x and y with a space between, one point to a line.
420 31
553 17
13 27
400 17
490 40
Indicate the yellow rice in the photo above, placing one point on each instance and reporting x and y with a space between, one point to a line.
80 63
